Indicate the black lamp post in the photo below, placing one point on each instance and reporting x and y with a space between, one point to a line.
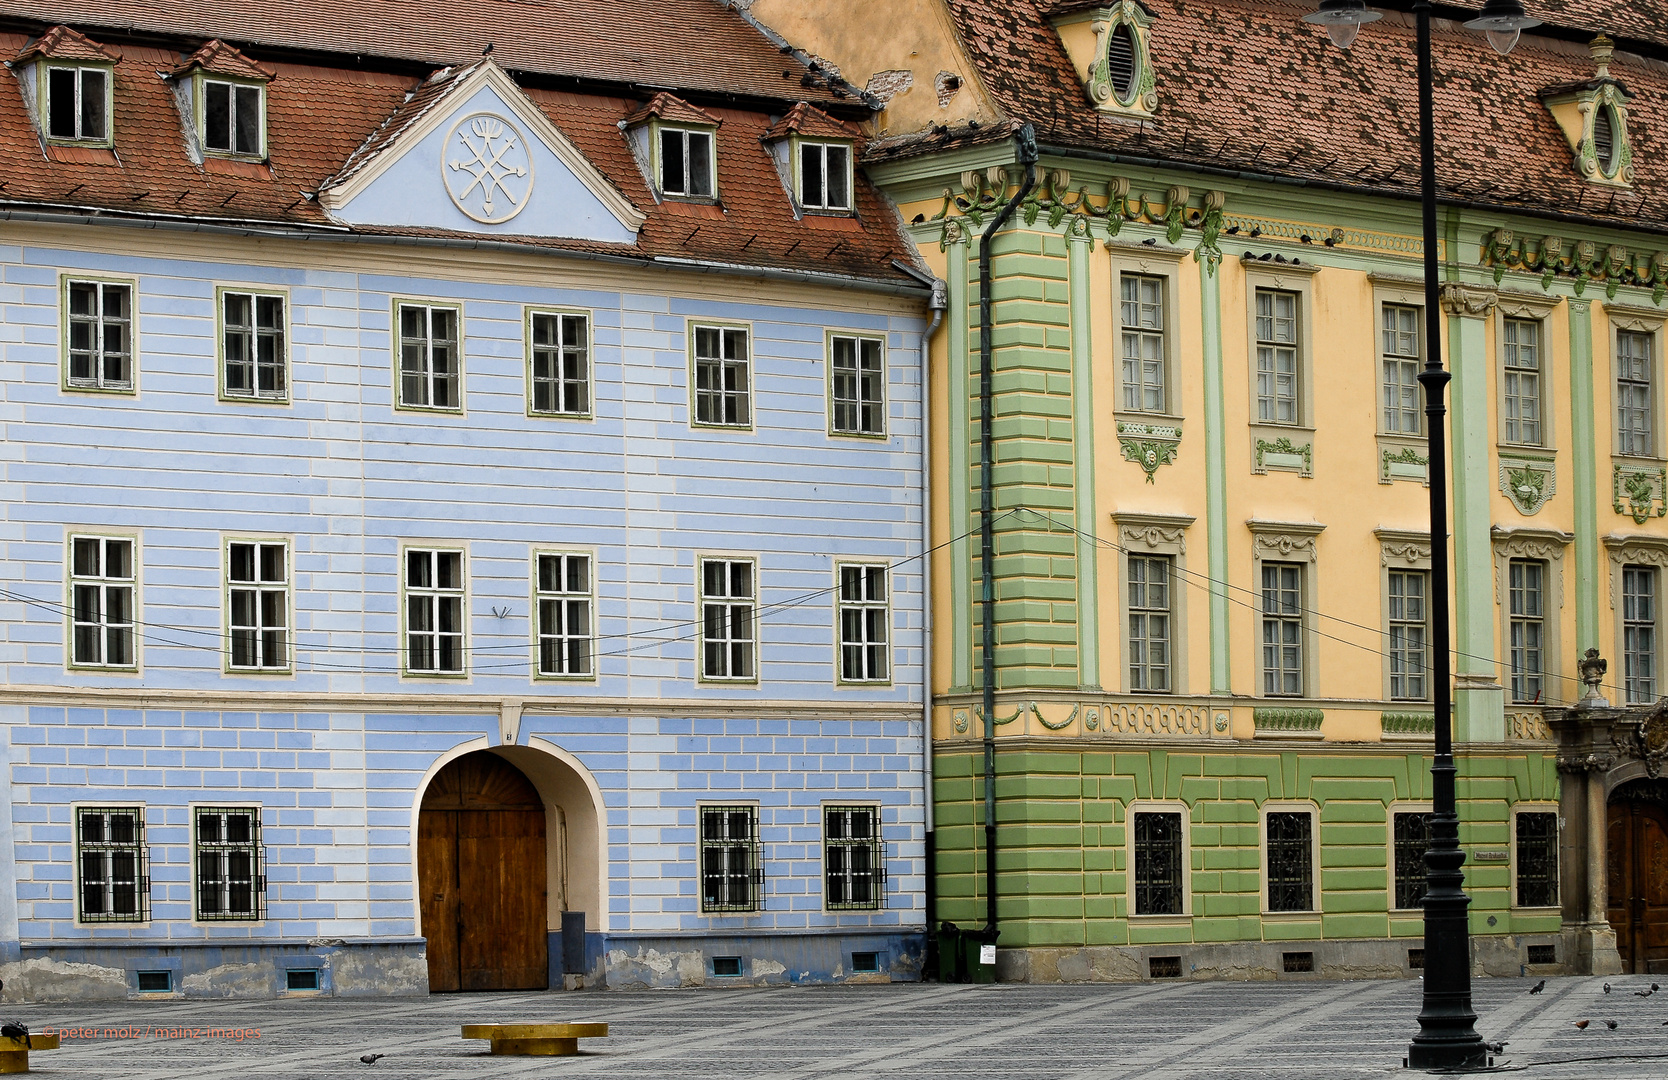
1447 1035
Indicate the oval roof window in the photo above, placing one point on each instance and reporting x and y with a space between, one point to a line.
1120 62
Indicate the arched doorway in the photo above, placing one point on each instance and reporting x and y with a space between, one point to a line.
481 877
1638 874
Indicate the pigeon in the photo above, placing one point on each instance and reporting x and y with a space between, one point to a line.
1580 1025
1256 232
1607 988
1306 238
1232 230
1495 1048
488 50
14 1029
1538 987
1330 242
369 1059
1611 1024
1643 993
1655 987
1150 242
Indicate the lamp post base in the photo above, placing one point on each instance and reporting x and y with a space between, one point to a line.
1427 1052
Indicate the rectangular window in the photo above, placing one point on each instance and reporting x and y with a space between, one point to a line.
1521 341
722 389
1290 862
1634 415
564 605
686 163
1639 633
1141 316
433 612
561 371
858 386
1526 612
1403 413
732 863
1408 635
1537 860
100 335
727 619
825 176
255 358
77 103
258 603
229 880
863 623
102 582
1149 623
429 367
1411 835
112 860
1282 629
1158 864
232 118
853 858
1277 370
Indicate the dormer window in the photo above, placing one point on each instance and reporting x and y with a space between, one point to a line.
1120 63
686 163
1108 43
232 120
675 145
66 80
1593 115
1604 140
825 176
78 104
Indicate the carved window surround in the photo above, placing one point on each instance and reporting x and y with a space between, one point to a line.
1288 542
1087 31
1637 550
1155 534
1152 534
1284 541
1537 308
1401 549
1399 455
1576 108
1547 546
1278 446
1473 301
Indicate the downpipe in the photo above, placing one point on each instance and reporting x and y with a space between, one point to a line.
937 304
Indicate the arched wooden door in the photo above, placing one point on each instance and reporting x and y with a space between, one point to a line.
481 877
1638 878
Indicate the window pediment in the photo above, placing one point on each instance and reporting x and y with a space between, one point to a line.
1594 118
1109 47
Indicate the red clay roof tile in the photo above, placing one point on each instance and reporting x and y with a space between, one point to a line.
671 107
62 43
219 58
806 119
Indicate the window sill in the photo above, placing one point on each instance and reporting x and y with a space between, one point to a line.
1132 416
124 391
254 399
440 410
533 414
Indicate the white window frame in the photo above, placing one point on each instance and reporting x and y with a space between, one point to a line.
1513 371
261 586
236 88
861 405
722 365
1650 623
142 863
1147 613
1538 807
80 70
1402 551
96 382
1293 806
1647 444
1390 853
686 133
821 147
564 350
256 333
731 639
1277 445
408 593
1288 543
1528 307
877 855
1404 361
103 582
754 844
564 597
1546 546
1154 535
864 605
1144 333
258 865
1642 552
427 375
1159 806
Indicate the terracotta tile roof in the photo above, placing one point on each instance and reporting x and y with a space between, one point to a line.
671 107
690 45
219 58
322 120
1244 86
62 43
807 119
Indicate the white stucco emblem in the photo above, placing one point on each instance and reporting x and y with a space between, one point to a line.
488 171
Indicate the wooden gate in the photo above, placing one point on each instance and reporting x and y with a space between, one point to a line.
1638 865
481 877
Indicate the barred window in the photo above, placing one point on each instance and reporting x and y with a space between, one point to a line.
1407 589
564 623
859 386
1282 629
1526 607
1290 862
561 366
113 863
732 861
434 611
1639 633
252 325
722 390
1158 864
853 858
863 622
430 371
100 318
1411 837
1537 860
1522 348
1141 315
102 582
1635 414
1149 623
727 619
258 602
1277 370
1403 413
231 885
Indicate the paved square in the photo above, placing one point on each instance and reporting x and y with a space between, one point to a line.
1154 1031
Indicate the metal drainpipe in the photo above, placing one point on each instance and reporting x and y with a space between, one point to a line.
1026 139
939 302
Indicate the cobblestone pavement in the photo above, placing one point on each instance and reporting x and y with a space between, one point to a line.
1154 1031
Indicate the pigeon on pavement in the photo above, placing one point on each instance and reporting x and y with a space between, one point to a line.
1611 1024
1643 993
1538 987
369 1059
1607 988
1581 1025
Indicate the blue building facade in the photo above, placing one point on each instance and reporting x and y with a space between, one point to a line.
368 585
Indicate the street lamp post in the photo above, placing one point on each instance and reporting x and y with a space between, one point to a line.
1447 1035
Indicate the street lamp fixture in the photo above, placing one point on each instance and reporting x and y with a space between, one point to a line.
1447 1037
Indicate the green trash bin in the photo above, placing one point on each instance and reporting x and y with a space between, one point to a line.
979 956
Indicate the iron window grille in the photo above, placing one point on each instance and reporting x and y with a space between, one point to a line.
854 858
1639 633
561 364
77 104
564 607
232 120
1526 613
258 599
1537 860
252 326
859 386
1282 629
1290 862
114 864
824 176
231 886
1403 404
429 367
863 621
1149 623
732 859
1277 370
721 377
686 163
100 335
1141 315
102 582
1634 411
434 612
1522 345
726 619
1408 642
1158 864
1411 835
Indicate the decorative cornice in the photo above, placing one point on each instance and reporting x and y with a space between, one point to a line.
1649 550
1398 547
1469 300
1631 317
1524 305
1526 542
1284 538
1153 531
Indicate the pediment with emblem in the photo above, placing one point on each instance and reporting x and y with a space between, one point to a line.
470 153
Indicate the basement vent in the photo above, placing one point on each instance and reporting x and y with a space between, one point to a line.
297 979
156 982
1543 954
1120 62
1295 962
1164 967
726 967
865 963
1604 140
1416 959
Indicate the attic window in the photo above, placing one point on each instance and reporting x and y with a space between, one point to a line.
1120 62
686 163
1604 140
825 176
78 104
232 117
